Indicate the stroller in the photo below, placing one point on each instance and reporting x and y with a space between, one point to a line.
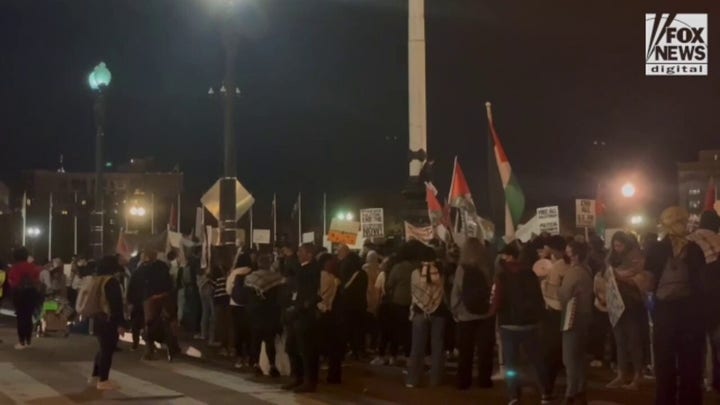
54 316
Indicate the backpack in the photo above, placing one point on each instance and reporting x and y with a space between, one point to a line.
522 301
91 300
239 291
475 293
674 281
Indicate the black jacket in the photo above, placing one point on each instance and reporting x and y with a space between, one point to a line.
307 286
354 294
113 294
153 278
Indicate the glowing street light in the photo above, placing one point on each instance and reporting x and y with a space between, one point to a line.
636 219
345 216
628 190
137 211
33 231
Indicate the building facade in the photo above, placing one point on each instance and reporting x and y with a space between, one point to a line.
694 179
59 203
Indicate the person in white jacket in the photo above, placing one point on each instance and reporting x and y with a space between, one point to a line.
235 287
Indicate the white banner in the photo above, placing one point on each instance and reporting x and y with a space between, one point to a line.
615 303
423 234
372 222
549 220
308 237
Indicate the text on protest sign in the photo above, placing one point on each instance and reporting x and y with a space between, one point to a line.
549 220
343 232
261 236
585 213
372 222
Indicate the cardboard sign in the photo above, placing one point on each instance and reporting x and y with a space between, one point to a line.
308 237
585 213
549 220
261 236
343 232
615 303
372 222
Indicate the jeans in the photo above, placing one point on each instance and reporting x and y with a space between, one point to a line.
475 335
401 329
574 345
180 304
628 341
679 345
551 339
599 331
416 365
355 327
385 323
107 336
332 346
307 334
512 341
137 323
224 329
25 303
258 337
207 320
241 325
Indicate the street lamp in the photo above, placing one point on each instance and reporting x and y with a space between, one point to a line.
628 190
345 216
636 219
33 232
98 80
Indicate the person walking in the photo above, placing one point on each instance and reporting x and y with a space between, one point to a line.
24 281
470 306
428 318
159 307
108 325
678 339
576 297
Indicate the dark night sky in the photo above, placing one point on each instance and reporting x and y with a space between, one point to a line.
324 84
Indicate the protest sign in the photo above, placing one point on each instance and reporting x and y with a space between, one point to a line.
261 236
549 220
344 232
615 303
372 222
585 213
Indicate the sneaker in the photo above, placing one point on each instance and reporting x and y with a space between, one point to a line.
239 364
20 346
377 361
618 382
547 399
392 362
274 372
92 381
409 385
198 336
107 385
596 364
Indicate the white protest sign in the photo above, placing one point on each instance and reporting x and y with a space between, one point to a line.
261 236
308 237
549 220
372 222
585 213
345 232
615 303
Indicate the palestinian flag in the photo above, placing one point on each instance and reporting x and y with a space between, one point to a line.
600 208
460 191
710 197
514 197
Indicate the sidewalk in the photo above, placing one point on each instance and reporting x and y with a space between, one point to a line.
384 384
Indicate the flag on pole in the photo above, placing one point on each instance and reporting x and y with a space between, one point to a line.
439 216
460 190
710 197
122 247
514 197
600 208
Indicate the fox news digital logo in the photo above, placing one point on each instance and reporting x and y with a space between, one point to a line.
676 45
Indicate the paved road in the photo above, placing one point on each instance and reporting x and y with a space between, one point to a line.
55 369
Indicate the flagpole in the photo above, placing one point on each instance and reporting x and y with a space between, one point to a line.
452 180
152 213
179 210
75 224
299 203
324 214
50 217
23 212
251 227
274 215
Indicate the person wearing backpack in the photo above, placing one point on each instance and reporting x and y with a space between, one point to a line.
235 287
24 280
678 334
108 321
470 306
519 304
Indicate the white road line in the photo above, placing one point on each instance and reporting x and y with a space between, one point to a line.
236 383
22 388
141 389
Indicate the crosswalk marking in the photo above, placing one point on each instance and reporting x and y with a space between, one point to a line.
23 389
137 388
236 383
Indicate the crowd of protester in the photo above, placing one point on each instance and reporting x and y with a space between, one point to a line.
554 303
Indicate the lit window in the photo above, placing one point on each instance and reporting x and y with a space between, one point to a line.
694 191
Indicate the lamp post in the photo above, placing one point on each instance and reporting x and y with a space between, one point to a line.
414 190
98 80
628 190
